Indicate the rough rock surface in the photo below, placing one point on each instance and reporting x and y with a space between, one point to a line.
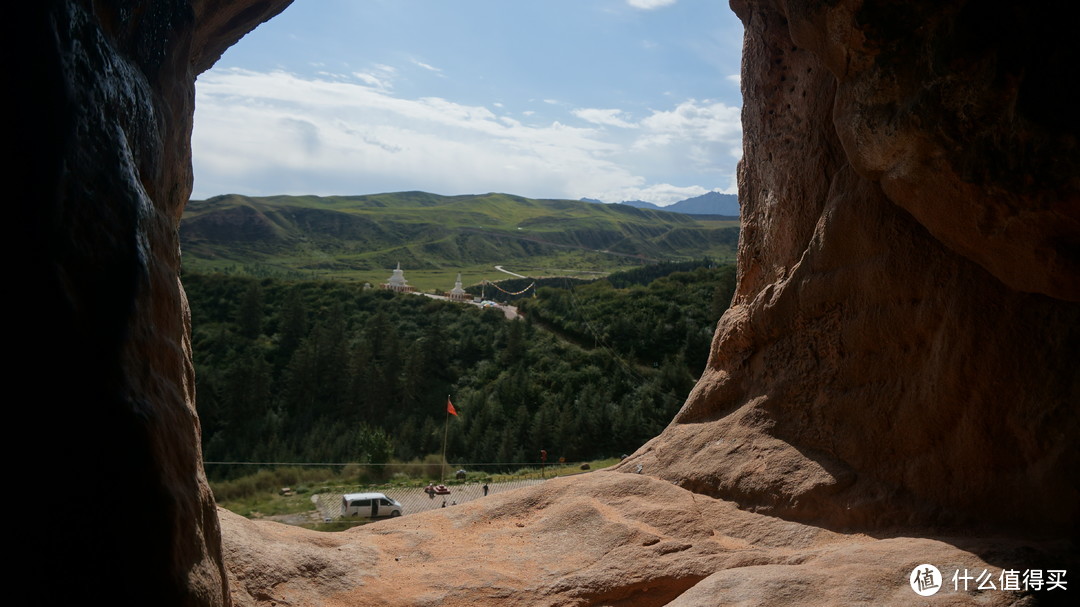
103 96
903 341
603 538
901 350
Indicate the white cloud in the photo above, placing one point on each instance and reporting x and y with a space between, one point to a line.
264 133
372 80
277 133
604 117
706 127
650 4
427 67
661 194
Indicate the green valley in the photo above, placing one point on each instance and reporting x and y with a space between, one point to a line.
361 238
296 361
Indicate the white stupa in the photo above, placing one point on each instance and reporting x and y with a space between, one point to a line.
458 293
397 281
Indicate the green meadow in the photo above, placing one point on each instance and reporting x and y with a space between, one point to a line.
363 238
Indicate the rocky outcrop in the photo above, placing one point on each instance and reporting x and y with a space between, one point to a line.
901 347
104 96
603 538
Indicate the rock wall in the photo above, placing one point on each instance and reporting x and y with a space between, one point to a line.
103 100
902 346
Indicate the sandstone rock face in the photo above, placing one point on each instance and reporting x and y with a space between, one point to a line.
603 538
101 129
902 345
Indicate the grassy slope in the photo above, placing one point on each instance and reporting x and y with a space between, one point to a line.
434 237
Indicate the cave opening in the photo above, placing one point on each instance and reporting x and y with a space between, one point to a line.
302 105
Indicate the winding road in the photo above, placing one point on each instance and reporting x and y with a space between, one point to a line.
505 271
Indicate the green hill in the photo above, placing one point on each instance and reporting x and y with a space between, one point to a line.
433 237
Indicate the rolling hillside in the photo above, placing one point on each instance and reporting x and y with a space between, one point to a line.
363 237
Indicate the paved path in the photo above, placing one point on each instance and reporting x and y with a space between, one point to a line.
501 269
511 312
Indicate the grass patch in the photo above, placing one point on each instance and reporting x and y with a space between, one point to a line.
259 494
552 471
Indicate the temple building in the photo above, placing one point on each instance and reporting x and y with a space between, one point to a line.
397 282
458 293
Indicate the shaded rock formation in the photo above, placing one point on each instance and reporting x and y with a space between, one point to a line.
902 345
104 97
901 350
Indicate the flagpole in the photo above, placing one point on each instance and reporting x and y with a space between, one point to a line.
446 427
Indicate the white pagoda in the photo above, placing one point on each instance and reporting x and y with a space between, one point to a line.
397 282
458 293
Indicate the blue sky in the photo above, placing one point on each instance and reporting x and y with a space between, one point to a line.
607 99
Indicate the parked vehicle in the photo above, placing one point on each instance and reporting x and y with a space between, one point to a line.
371 505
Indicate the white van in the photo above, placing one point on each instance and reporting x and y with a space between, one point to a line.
369 504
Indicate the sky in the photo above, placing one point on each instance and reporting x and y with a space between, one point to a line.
606 99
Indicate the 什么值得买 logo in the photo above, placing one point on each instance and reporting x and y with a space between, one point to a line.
925 580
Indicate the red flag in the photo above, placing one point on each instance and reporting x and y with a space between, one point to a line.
450 408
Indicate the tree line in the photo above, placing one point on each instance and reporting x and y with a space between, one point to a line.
323 371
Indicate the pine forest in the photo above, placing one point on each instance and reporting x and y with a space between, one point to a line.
331 372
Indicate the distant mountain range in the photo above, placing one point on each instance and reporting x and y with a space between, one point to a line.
363 237
712 203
